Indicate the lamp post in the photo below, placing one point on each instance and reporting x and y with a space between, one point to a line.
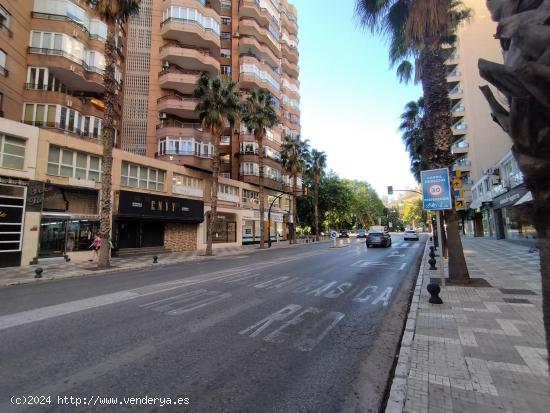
269 215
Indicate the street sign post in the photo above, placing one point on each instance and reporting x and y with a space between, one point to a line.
436 195
436 190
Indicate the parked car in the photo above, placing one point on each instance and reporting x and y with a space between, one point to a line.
343 233
410 235
361 233
380 239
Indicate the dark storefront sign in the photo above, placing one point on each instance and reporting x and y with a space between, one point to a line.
510 197
35 196
148 206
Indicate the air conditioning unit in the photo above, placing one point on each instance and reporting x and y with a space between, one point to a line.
162 115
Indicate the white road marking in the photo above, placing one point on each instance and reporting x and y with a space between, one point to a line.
278 336
266 322
384 298
310 341
227 313
175 297
403 266
200 304
359 298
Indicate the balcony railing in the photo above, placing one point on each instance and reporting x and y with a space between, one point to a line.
201 50
56 125
5 29
463 162
188 21
186 153
57 52
4 72
179 71
176 97
172 123
61 17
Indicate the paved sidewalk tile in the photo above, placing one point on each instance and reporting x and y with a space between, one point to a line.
482 350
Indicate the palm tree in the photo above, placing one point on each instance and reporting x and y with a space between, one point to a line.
413 135
294 154
113 12
524 79
318 163
258 114
218 103
420 28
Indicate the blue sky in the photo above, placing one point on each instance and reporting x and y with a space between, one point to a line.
350 98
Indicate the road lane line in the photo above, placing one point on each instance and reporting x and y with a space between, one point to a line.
199 304
227 313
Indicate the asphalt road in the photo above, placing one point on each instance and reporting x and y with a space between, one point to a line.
304 329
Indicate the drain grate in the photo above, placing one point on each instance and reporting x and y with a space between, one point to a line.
516 291
516 301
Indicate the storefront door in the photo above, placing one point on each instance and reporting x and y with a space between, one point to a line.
52 238
152 234
129 234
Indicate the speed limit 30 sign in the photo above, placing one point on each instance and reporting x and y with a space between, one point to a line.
436 189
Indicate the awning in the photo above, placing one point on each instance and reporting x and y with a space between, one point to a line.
528 197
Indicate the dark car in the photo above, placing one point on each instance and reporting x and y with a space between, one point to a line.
361 233
380 239
343 233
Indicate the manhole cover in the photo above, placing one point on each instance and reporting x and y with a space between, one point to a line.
516 291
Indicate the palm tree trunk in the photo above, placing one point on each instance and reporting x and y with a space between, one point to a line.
213 215
294 207
438 122
316 207
107 138
260 140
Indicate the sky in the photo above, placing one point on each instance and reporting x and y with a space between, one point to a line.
351 99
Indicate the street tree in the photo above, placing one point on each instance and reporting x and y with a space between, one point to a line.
218 104
294 155
258 114
413 133
317 164
524 79
419 29
114 13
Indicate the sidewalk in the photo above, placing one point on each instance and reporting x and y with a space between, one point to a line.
59 269
482 350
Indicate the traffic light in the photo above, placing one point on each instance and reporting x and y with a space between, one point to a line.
390 190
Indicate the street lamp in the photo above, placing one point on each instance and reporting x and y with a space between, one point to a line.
269 214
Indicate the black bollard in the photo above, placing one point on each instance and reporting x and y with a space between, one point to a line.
38 272
434 291
155 259
432 261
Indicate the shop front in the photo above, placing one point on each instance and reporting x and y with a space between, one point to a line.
146 220
12 216
514 217
251 226
69 221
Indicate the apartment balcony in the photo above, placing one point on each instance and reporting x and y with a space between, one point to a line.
192 58
251 80
191 33
190 159
252 10
78 102
463 165
288 17
253 156
177 105
290 68
73 72
460 148
91 135
249 44
250 27
459 128
177 129
188 191
454 76
253 178
290 53
235 199
458 110
453 59
456 93
274 142
182 81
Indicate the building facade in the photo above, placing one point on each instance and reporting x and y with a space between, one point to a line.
479 142
254 42
52 62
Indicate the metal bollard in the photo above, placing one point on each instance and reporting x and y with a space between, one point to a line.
38 272
432 260
434 291
155 259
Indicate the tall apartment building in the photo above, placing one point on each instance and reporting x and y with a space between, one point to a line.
480 142
171 42
51 65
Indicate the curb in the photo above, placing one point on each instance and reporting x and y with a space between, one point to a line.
398 391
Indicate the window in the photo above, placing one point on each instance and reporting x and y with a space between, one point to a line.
276 201
226 70
189 15
225 36
226 20
251 197
228 189
73 164
249 168
3 70
12 152
225 175
187 181
224 140
252 69
138 176
5 21
225 53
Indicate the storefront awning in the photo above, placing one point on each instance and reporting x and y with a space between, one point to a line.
528 197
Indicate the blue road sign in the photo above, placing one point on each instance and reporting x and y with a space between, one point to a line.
333 234
436 189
